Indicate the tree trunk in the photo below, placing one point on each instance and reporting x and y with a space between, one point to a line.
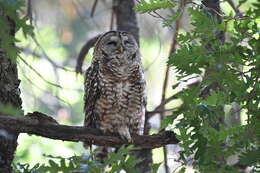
126 17
9 98
126 20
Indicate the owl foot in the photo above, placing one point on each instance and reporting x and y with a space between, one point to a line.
125 134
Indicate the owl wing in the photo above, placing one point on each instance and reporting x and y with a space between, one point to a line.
92 93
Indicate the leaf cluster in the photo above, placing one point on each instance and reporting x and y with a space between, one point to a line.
115 162
11 22
231 74
153 5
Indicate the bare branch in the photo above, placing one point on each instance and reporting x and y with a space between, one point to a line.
236 9
28 51
93 8
43 125
150 113
84 51
29 11
36 72
166 79
112 15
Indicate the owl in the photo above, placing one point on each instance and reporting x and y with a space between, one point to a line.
114 85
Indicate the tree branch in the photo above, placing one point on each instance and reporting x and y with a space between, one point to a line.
37 123
83 52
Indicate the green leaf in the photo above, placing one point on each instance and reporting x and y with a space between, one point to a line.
62 163
153 5
168 120
155 167
183 169
250 157
9 109
53 164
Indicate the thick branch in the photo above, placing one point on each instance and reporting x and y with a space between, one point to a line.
42 125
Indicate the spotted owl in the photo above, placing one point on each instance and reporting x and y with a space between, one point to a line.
115 86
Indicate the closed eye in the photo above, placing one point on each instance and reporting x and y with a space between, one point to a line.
112 43
128 43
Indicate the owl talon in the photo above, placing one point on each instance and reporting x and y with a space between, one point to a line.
124 134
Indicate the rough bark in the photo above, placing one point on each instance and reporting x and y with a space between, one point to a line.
43 125
9 95
126 17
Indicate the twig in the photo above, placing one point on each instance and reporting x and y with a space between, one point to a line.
29 11
81 16
165 84
166 79
41 77
169 99
112 15
43 125
231 3
151 113
84 51
239 16
156 57
33 53
38 74
43 51
39 88
93 8
159 107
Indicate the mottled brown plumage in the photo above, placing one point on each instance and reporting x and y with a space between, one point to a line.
115 86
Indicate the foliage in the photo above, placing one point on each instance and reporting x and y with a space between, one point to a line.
231 71
152 5
10 19
9 109
118 160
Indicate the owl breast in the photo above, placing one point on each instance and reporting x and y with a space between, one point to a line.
121 105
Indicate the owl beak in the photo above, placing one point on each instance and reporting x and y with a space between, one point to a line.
120 49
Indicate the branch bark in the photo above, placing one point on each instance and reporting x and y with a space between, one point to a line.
37 123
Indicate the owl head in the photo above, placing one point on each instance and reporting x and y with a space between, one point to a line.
117 51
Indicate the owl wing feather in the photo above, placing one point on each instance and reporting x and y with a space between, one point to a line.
92 93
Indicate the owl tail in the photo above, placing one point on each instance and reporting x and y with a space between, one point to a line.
100 154
88 145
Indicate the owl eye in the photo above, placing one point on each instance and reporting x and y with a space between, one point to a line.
127 43
113 43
